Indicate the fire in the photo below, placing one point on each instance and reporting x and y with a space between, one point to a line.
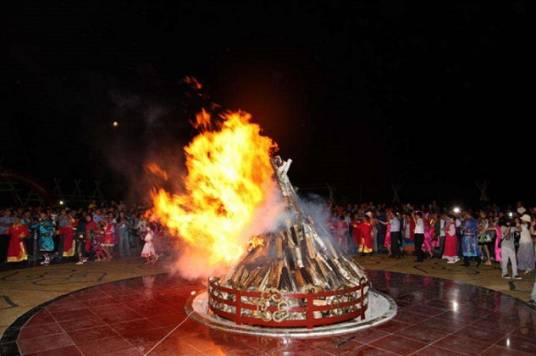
255 242
228 177
157 171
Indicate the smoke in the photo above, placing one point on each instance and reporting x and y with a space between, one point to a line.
318 209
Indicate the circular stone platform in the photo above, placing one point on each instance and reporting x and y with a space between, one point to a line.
381 308
147 315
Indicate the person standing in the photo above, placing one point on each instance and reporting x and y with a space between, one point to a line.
45 231
508 251
123 235
419 236
484 237
108 241
90 235
16 251
81 240
5 223
450 251
470 245
396 237
525 252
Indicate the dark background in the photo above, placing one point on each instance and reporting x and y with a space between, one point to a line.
431 96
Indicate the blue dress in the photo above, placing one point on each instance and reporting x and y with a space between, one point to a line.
45 230
470 238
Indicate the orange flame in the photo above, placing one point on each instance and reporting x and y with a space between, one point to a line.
229 176
202 120
157 171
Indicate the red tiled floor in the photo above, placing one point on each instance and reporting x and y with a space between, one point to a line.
398 344
478 333
368 335
410 318
65 315
83 322
462 344
42 317
40 330
135 324
92 334
44 343
64 351
426 335
424 310
519 344
435 351
392 326
456 318
443 324
372 351
496 350
110 344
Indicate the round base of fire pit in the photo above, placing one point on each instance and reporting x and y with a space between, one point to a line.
381 309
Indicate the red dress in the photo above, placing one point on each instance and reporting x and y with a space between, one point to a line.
364 237
16 251
451 242
68 239
109 238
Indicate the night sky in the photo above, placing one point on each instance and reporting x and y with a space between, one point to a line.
427 95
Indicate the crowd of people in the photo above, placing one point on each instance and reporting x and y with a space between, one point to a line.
489 235
99 233
96 233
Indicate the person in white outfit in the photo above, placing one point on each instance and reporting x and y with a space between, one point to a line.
508 251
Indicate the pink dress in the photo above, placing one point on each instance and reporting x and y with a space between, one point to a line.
387 241
497 244
148 247
428 237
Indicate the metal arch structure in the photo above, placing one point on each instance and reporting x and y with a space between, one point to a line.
23 189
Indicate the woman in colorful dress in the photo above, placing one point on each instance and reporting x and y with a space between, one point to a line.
409 233
429 233
17 232
108 241
469 240
498 238
367 243
45 230
450 252
67 229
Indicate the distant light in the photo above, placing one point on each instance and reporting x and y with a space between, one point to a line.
508 343
192 292
510 214
456 210
115 124
455 306
62 202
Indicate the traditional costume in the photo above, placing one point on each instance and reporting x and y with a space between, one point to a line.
16 251
450 252
67 231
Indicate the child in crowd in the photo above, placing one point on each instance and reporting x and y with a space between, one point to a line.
148 252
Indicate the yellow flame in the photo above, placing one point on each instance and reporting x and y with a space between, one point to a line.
229 171
255 241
